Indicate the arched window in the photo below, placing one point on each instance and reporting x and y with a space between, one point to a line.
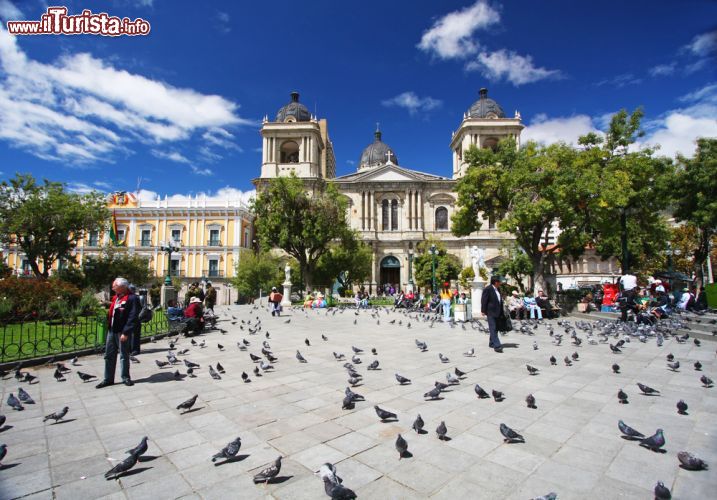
394 215
289 152
384 215
441 219
490 143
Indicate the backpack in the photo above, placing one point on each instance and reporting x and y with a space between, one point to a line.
146 314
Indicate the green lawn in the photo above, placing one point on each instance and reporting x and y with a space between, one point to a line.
27 340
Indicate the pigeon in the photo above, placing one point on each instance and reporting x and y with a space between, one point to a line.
480 392
324 337
459 373
433 393
337 491
133 359
661 492
214 373
220 368
3 452
681 407
698 366
356 359
615 368
417 424
622 397
348 403
497 395
140 449
575 356
256 358
300 357
229 451
63 368
443 358
532 370
269 472
442 430
383 414
306 341
548 496
221 347
353 381
14 402
356 350
58 415
190 364
339 356
245 377
355 396
58 375
654 442
187 405
530 401
647 390
615 349
440 385
535 346
373 365
190 372
182 352
567 361
470 352
401 446
629 431
553 361
674 366
75 361
510 436
122 467
24 396
374 351
706 381
402 380
697 342
670 357
452 379
691 462
160 364
256 371
265 366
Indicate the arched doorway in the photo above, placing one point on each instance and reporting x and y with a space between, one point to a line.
390 271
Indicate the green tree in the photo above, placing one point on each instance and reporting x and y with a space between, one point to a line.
100 270
255 272
522 188
448 266
348 263
517 265
45 221
696 200
301 224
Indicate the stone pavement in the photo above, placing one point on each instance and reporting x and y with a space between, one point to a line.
572 443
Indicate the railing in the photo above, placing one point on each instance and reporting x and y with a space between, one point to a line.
215 273
34 339
214 243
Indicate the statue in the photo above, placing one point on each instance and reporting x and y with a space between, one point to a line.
477 261
287 273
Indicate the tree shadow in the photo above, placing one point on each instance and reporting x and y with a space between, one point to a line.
231 460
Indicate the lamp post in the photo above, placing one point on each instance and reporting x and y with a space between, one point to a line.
410 268
169 247
433 268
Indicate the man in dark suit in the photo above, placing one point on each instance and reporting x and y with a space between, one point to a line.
122 321
492 307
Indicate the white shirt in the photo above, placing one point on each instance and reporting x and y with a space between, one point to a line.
628 281
497 294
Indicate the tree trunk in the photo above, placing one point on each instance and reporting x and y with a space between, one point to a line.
537 279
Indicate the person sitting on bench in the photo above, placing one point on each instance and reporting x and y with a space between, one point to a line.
544 303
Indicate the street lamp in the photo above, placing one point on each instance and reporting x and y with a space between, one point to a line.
410 268
433 268
169 247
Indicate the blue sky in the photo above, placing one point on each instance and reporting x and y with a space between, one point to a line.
181 107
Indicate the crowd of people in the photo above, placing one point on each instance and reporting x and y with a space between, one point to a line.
654 301
527 306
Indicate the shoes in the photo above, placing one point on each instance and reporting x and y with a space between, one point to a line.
103 384
128 382
498 349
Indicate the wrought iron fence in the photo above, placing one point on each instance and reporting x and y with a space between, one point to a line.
34 339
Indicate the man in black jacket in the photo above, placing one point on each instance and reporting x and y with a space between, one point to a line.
122 321
492 307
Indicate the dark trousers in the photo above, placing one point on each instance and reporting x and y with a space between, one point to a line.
136 339
112 347
627 305
492 327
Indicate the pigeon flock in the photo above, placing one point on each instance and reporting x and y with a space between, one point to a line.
259 358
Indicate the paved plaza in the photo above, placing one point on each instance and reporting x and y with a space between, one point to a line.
572 443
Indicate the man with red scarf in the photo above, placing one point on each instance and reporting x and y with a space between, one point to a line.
122 320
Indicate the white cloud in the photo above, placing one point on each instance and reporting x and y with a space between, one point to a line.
551 130
82 110
663 69
223 21
413 103
704 44
201 171
9 12
171 156
508 65
79 188
450 37
620 81
223 194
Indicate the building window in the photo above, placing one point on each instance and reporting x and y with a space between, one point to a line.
247 242
174 267
289 152
491 222
384 215
94 239
120 236
491 143
214 238
25 268
146 238
213 271
176 235
394 215
441 219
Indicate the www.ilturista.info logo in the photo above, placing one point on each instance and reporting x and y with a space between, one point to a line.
56 22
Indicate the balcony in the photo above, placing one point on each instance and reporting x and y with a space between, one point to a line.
215 273
145 243
214 243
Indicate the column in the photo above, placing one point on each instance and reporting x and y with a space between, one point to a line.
409 199
419 210
371 210
363 210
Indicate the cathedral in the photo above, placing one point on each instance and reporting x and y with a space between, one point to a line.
392 207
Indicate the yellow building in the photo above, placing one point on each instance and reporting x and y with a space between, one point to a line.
211 236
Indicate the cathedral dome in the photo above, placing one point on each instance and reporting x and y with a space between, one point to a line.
485 107
294 111
377 153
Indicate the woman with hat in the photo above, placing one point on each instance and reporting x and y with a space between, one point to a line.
515 305
194 315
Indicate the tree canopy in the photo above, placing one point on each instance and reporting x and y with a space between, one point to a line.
45 221
448 266
347 262
100 270
255 272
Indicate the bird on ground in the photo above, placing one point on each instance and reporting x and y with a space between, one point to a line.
355 396
458 373
510 436
691 462
374 351
373 365
442 430
265 366
401 446
75 361
160 364
615 349
615 368
220 347
548 496
190 372
268 473
553 361
348 403
356 350
214 373
14 402
575 356
220 368
324 337
337 491
307 342
706 381
654 442
662 492
402 380
697 342
628 431
470 352
133 359
229 451
328 471
452 379
140 449
681 407
418 424
256 371
647 390
440 385
58 415
256 358
122 467
674 366
443 358
24 396
187 405
497 395
245 377
670 357
353 381
698 366
63 368
86 377
300 357
480 392
622 397
58 375
567 361
530 401
190 364
384 414
433 393
182 352
532 370
2 421
535 346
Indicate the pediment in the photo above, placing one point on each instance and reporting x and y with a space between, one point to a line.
390 173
